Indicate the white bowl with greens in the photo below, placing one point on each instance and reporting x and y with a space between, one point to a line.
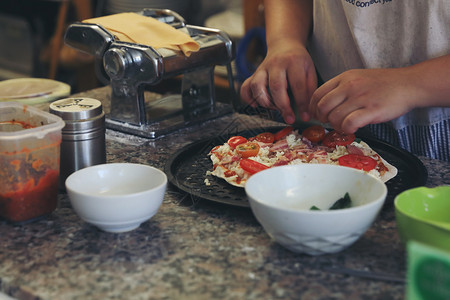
293 204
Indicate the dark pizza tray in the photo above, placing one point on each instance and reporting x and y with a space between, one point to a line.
187 169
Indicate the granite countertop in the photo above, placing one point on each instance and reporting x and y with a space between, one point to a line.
193 248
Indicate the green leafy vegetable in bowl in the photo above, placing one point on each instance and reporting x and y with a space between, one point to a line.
344 202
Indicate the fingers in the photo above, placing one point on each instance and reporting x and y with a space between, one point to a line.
288 70
279 93
270 93
377 111
254 92
354 120
344 112
330 104
348 117
303 82
259 91
324 99
356 98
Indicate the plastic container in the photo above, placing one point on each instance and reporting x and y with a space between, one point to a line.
29 161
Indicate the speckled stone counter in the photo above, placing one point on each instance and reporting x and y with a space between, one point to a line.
192 249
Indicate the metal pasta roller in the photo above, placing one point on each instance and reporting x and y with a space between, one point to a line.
129 67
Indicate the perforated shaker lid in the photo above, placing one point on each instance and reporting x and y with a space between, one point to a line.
76 108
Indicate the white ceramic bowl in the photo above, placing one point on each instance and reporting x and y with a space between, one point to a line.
116 197
281 199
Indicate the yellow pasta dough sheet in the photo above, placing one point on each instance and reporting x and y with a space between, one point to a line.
135 28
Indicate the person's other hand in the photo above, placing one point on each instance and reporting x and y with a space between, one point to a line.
357 98
286 66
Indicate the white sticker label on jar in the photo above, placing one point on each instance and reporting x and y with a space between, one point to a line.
75 104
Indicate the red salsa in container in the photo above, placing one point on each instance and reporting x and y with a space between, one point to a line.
31 199
29 162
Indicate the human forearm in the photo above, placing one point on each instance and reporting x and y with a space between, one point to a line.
430 81
287 65
288 19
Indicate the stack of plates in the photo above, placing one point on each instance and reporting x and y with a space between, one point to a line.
117 6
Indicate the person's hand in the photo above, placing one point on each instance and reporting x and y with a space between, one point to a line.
357 98
286 66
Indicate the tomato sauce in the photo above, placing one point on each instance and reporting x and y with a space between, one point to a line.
31 200
29 177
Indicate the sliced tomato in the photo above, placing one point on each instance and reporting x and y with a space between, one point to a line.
265 137
247 149
314 133
214 149
229 173
335 138
252 166
358 161
381 167
236 140
283 132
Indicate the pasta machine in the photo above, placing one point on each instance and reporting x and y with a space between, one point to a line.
130 68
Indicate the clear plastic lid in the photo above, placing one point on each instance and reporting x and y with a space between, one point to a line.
20 121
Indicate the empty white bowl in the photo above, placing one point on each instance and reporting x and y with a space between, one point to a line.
281 198
116 197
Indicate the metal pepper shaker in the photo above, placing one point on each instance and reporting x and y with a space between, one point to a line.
83 137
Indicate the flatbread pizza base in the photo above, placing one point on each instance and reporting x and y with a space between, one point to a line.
219 172
389 174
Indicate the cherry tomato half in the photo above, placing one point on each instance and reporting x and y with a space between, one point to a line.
247 149
315 133
236 140
265 137
335 138
358 161
283 132
252 166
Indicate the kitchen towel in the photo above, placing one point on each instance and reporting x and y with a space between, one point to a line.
139 29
